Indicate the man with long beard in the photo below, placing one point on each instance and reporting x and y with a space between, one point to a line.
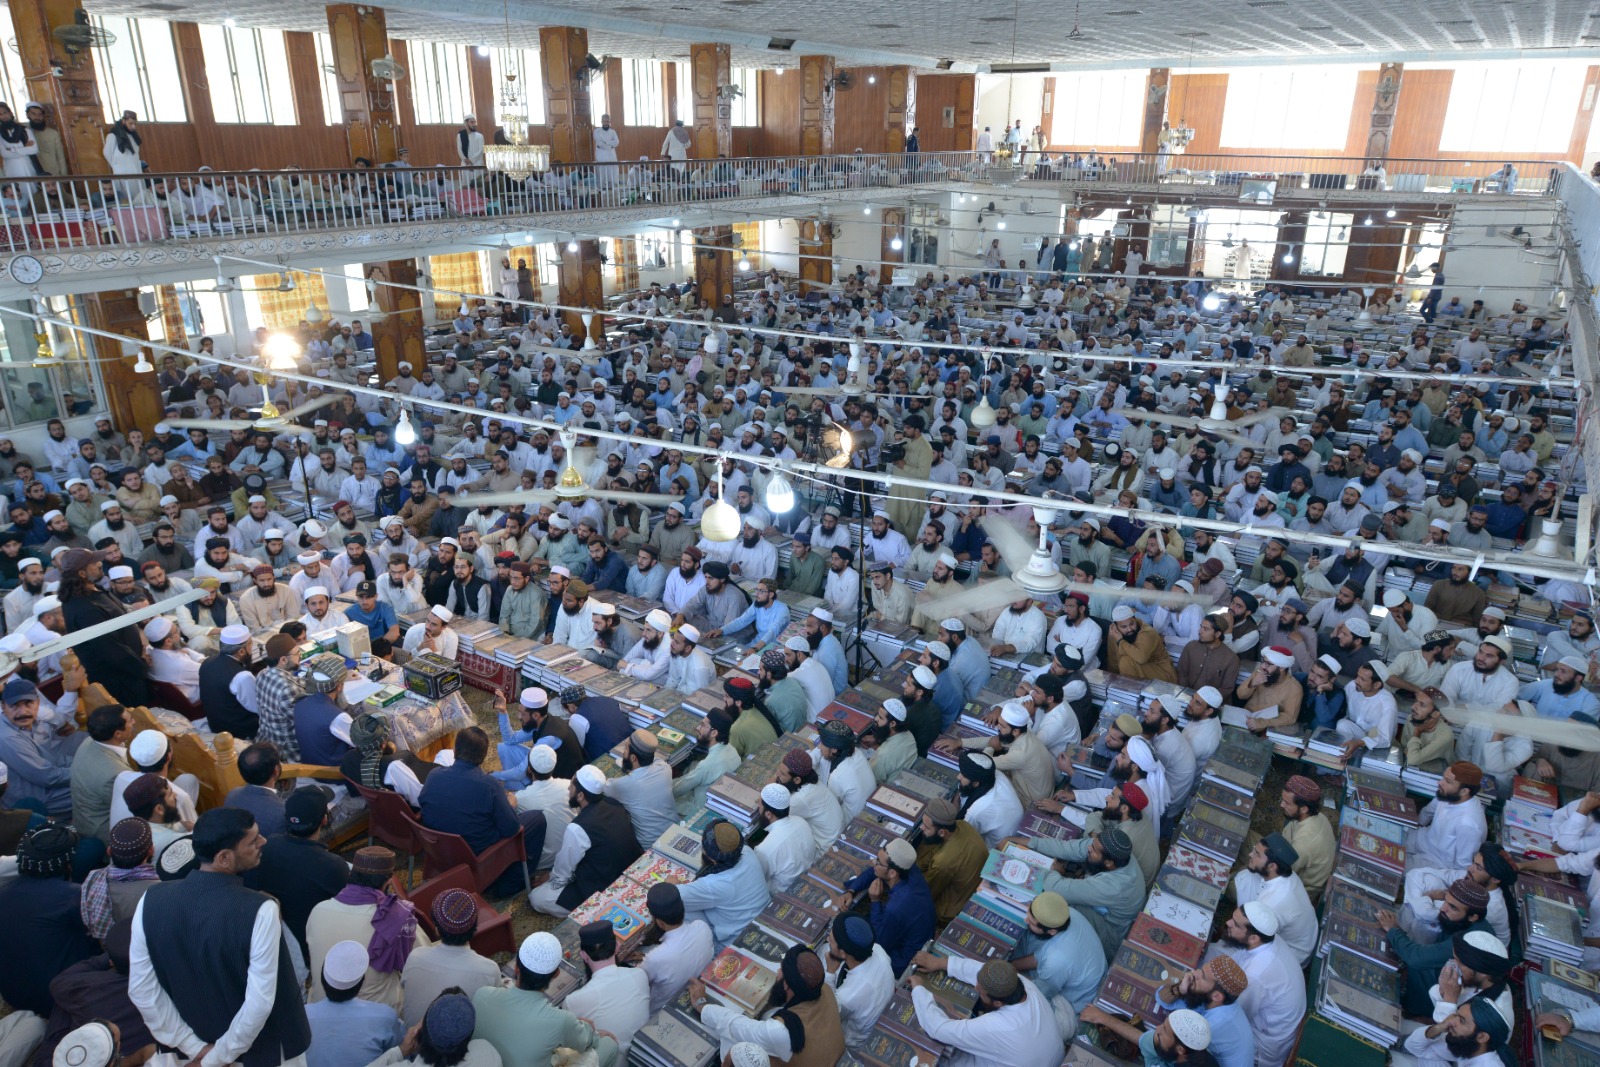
1271 686
719 603
988 802
1274 998
20 601
941 584
650 657
766 614
612 635
267 604
685 582
829 534
1464 910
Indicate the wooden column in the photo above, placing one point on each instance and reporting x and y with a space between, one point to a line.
1385 102
816 105
72 100
172 316
397 336
371 122
1583 121
134 399
305 75
894 224
713 264
1047 111
710 67
485 94
900 107
1155 108
816 255
202 125
566 95
582 284
628 259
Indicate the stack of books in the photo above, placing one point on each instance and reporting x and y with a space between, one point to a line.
622 904
674 1037
1350 922
1361 995
734 800
1015 875
897 1039
740 980
1368 841
1325 748
866 835
797 921
837 866
681 844
1525 819
1394 807
898 805
471 631
537 665
1552 930
1193 876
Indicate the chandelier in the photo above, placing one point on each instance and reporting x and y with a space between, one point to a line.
519 158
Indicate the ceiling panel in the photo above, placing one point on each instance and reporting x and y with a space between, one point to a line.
1028 31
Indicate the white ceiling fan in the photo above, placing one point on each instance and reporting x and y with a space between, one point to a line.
1216 422
270 420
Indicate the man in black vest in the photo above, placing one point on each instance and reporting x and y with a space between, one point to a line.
116 659
227 688
607 725
209 968
462 799
597 847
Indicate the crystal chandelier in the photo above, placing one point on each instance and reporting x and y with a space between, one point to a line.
519 158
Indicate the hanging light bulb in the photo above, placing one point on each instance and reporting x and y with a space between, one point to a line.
463 310
588 333
405 434
572 245
313 313
131 347
374 310
1211 302
983 416
896 244
1367 221
866 209
744 264
780 494
1288 257
1389 214
1000 224
710 344
720 521
285 282
282 352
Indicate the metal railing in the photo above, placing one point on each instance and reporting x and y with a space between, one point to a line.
85 212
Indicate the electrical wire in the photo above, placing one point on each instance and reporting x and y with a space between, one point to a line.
1520 562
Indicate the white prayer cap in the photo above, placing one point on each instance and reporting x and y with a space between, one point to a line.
1494 612
1573 663
1166 474
51 514
168 499
107 505
534 697
90 1045
1262 917
953 625
1379 668
603 609
1278 656
118 573
822 614
1329 662
257 499
157 629
562 571
590 779
1184 584
149 747
1358 626
940 649
75 481
317 590
798 644
948 559
442 613
541 759
451 541
775 796
31 561
895 709
658 620
234 635
749 1054
45 605
1393 598
1012 713
1209 694
1190 1028
1440 524
689 633
345 965
925 677
15 644
541 952
305 559
1121 613
163 427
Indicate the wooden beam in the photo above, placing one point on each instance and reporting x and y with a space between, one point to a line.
398 335
710 68
562 50
816 105
1155 108
134 399
359 36
72 97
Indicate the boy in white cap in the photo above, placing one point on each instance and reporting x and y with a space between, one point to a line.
547 793
789 848
321 612
522 1024
347 1030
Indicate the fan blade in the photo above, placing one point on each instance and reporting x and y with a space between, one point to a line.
100 629
1560 732
210 424
649 500
1247 421
528 497
1010 542
1189 421
306 409
1167 598
973 600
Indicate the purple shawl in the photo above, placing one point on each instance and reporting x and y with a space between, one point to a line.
394 926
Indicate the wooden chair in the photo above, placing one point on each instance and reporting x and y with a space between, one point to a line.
168 695
390 820
494 932
442 851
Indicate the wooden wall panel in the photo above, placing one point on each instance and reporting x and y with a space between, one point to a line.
858 111
1419 119
779 132
935 92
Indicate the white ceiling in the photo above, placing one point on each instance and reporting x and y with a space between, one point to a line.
1175 32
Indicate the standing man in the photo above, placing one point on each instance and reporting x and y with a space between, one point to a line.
469 146
605 152
209 967
52 158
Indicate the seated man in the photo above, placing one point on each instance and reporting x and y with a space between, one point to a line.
462 799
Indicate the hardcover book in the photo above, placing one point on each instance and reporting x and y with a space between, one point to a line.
1372 848
900 1017
1186 915
1380 882
1225 798
1148 967
1344 899
651 868
1012 877
1226 821
739 978
1371 1014
1544 794
1400 809
988 917
1189 888
1362 973
762 942
1044 824
837 866
1198 865
866 837
1218 844
1240 781
1126 995
958 998
791 918
962 938
675 1039
813 895
1164 939
1363 940
897 804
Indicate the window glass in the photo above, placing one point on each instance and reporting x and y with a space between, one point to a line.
437 74
524 63
746 108
1289 107
1511 106
139 71
1098 109
644 93
332 107
247 70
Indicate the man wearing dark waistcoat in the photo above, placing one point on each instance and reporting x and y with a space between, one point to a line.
209 969
228 689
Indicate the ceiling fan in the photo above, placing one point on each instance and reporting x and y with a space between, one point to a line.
1076 33
270 420
1216 422
10 661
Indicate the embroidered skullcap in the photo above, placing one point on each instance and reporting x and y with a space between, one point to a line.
1304 788
955 626
1134 796
573 694
1472 896
749 1054
590 779
836 734
797 761
143 790
1121 613
373 859
540 953
976 766
643 741
1261 916
534 697
454 912
773 660
998 980
943 811
90 1045
1229 976
1115 845
1358 627
721 841
1210 695
1468 774
1191 1029
775 797
130 842
177 859
450 1020
902 853
939 650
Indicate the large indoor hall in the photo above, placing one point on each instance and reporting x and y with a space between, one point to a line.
741 534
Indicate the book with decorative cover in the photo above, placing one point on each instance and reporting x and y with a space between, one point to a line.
681 845
900 1017
1146 965
866 837
1212 871
1400 809
837 866
986 913
1227 799
1214 842
739 978
674 1037
763 943
1012 877
1240 781
957 997
1544 794
1189 888
885 1047
858 719
1131 997
1244 752
790 917
1173 910
1045 824
1226 821
961 938
1370 1015
1164 939
933 772
812 894
1366 941
1381 882
1372 849
1344 899
650 868
1362 973
904 807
